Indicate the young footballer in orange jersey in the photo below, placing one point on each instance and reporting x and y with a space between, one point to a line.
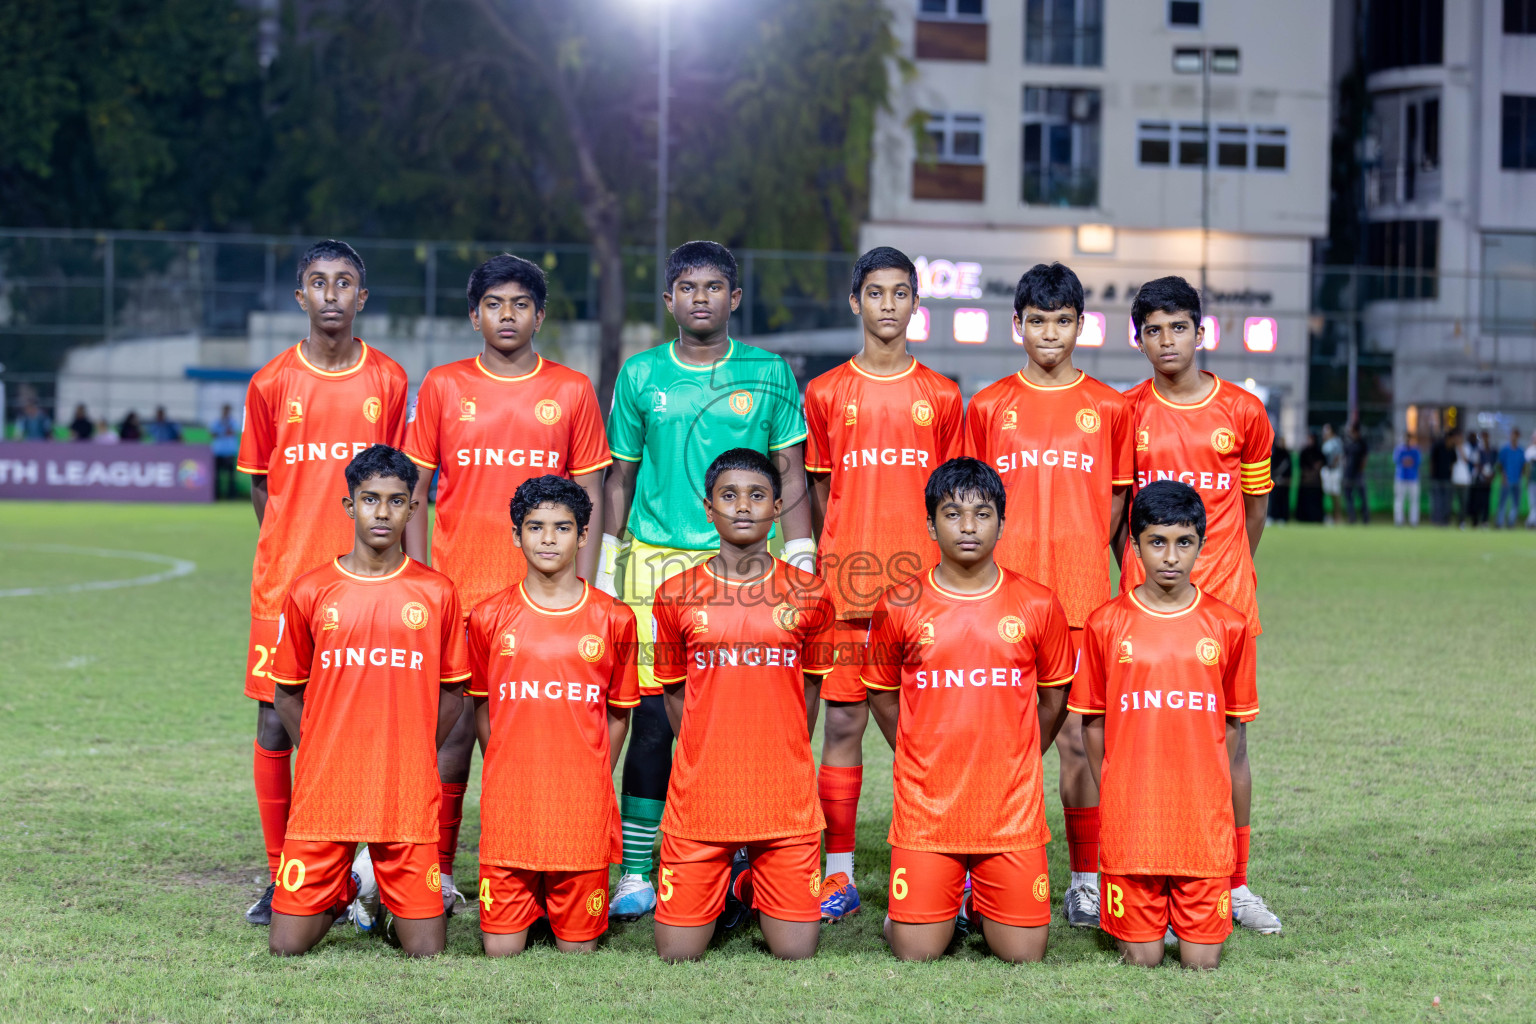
554 681
967 667
742 643
1196 428
307 413
371 644
1062 443
487 424
1166 682
879 424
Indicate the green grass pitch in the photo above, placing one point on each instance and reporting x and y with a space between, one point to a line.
1395 822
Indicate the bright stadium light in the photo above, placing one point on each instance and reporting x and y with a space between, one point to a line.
1260 333
970 326
1212 339
917 327
1093 330
1130 324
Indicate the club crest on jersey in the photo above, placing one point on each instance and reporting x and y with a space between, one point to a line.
700 621
1223 440
1011 628
1088 421
508 644
414 614
1010 420
1042 887
330 617
1143 439
741 402
590 647
851 414
1208 651
466 410
659 401
786 617
548 412
925 633
372 408
1125 650
435 878
922 412
295 411
595 902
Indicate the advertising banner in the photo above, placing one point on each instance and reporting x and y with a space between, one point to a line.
82 471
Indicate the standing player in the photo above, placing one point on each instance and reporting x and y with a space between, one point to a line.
307 412
1166 682
487 424
742 644
878 425
371 645
675 408
554 681
1062 443
1196 428
954 665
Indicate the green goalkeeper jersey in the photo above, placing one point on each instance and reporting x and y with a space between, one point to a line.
674 418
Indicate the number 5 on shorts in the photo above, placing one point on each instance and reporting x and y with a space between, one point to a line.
666 885
898 884
1115 902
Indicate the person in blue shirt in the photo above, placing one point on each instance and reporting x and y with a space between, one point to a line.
163 429
1511 467
1405 482
225 446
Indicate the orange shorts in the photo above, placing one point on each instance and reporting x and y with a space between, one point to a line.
692 878
842 683
258 658
1012 888
576 902
311 875
1139 908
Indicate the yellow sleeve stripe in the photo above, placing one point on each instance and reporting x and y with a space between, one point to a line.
457 677
583 471
423 463
817 671
624 703
665 680
287 682
1253 710
878 686
621 455
1257 489
1248 467
1081 710
1127 482
787 444
476 693
1054 682
817 469
251 470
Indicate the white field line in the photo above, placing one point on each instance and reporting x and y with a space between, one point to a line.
175 567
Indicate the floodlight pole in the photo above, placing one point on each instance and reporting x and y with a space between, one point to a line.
663 88
1205 187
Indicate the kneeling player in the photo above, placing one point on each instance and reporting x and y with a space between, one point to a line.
742 644
371 644
956 659
1167 675
554 679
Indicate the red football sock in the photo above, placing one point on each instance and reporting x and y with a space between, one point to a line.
274 792
1083 838
1240 848
449 815
838 787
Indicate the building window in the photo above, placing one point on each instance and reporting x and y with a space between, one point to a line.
1184 13
1061 147
955 138
1405 133
1154 143
1269 148
1509 301
1239 147
952 10
950 165
1067 32
1517 143
1520 17
1405 34
1408 255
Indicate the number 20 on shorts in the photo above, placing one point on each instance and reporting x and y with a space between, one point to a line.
290 873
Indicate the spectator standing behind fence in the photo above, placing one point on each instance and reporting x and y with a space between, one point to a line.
1405 483
225 446
34 424
1511 467
1442 456
1462 471
1356 451
1309 490
1333 473
1280 473
81 428
163 429
104 432
130 429
1530 483
1484 461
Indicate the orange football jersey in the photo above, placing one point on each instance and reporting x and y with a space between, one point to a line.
1165 683
968 777
879 438
743 769
550 675
1220 447
1061 452
485 434
373 654
302 426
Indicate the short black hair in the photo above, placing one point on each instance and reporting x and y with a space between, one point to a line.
882 257
508 268
1164 295
1048 286
698 256
381 460
332 249
551 490
747 459
964 476
1167 503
